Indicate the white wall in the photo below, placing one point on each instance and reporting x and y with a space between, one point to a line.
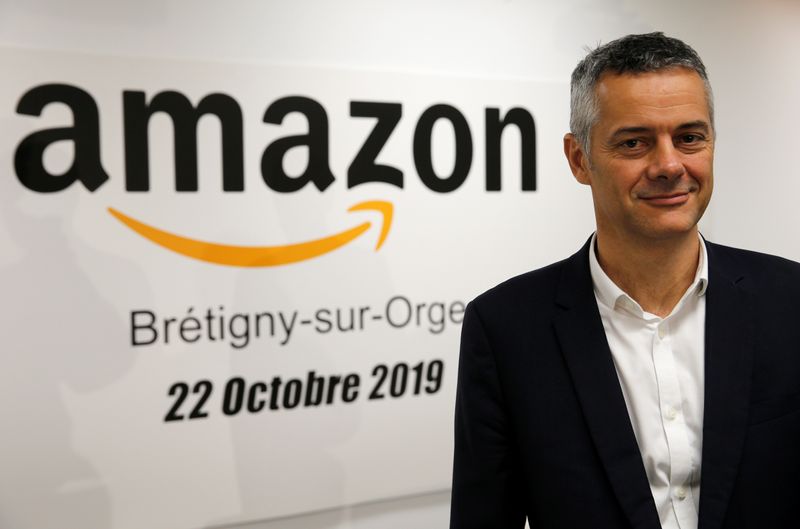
749 48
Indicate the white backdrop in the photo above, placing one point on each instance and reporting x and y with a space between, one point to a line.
501 48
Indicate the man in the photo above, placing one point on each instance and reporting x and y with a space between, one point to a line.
653 378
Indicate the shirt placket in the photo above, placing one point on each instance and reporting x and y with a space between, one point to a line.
674 424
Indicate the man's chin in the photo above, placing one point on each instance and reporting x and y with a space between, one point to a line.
670 224
671 232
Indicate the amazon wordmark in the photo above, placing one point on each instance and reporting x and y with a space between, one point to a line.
137 111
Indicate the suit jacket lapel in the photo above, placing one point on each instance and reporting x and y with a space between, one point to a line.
583 341
728 368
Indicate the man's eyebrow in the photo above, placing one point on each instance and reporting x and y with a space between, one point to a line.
629 130
698 124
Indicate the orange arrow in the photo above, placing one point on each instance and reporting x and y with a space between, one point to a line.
226 254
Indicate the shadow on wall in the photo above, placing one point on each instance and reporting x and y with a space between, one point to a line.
46 356
428 510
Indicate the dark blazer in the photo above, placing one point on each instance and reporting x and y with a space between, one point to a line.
541 425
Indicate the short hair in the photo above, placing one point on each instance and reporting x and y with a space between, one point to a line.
649 52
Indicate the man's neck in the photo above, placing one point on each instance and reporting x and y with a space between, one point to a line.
655 273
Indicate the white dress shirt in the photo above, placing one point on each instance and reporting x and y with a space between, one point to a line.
660 365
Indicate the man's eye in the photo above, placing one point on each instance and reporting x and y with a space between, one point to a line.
690 138
631 144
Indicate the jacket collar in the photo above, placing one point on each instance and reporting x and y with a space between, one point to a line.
729 345
583 343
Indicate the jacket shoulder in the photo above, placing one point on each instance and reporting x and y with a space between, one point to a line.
761 266
768 277
524 292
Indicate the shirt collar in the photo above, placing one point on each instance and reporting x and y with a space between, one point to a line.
608 293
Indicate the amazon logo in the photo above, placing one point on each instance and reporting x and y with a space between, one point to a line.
88 171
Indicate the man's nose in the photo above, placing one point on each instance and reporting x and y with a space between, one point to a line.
665 161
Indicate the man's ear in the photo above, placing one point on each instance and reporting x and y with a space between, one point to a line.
578 161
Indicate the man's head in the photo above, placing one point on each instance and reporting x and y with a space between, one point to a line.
642 137
651 52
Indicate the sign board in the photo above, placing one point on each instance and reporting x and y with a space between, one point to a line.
234 291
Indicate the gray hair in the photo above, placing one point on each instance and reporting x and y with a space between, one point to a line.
649 52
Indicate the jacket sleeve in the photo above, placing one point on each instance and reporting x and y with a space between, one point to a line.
487 486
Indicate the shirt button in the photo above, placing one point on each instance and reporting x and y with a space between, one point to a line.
661 332
671 413
680 493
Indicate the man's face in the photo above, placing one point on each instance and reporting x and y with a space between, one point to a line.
652 151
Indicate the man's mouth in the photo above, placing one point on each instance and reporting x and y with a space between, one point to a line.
666 199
